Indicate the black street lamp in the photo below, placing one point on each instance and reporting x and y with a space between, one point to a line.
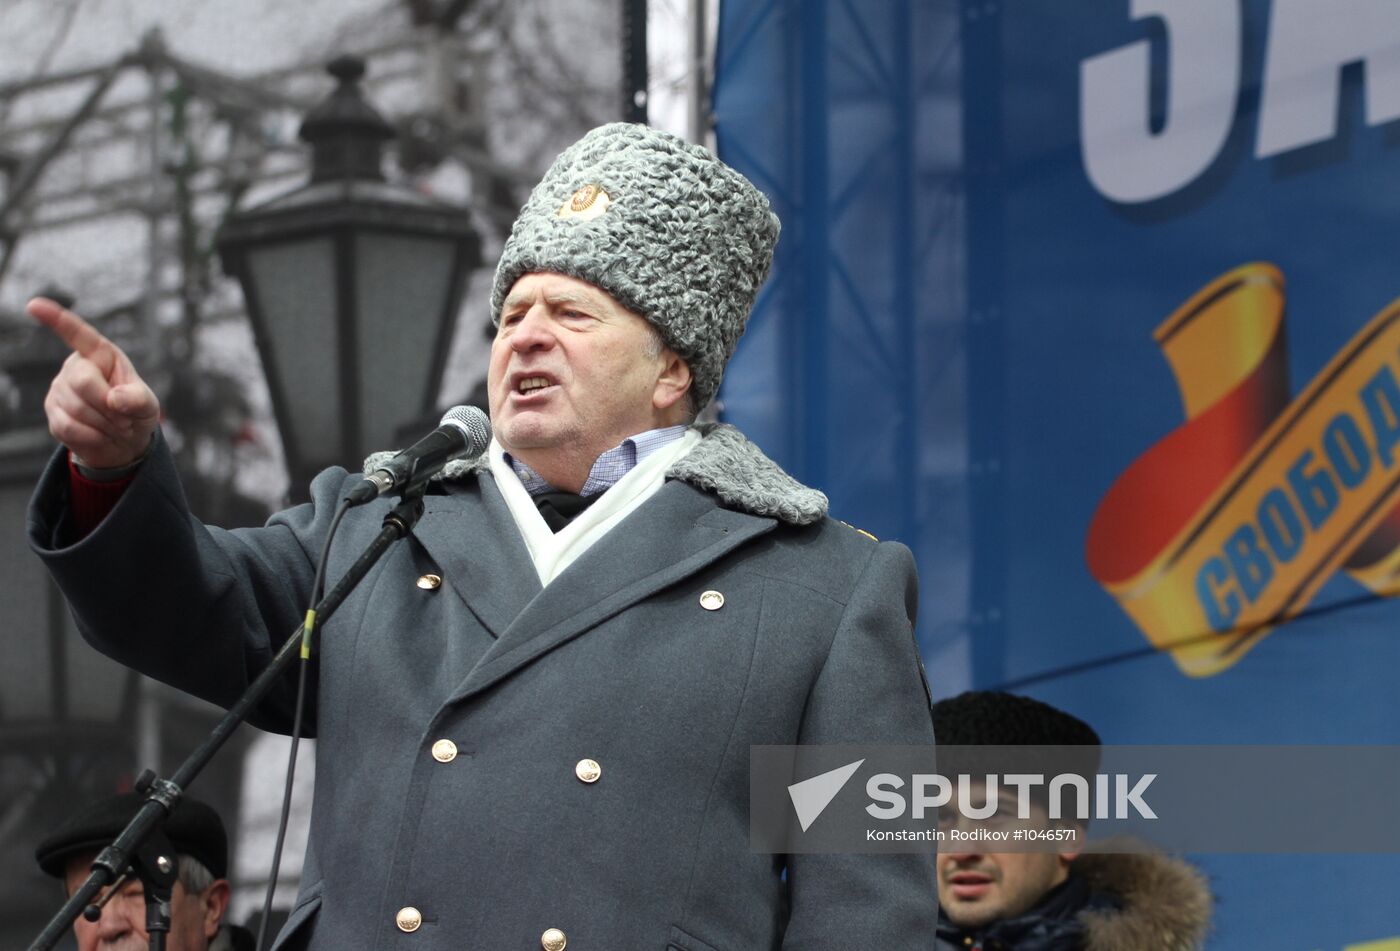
353 285
52 683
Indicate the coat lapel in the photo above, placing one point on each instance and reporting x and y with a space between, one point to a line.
473 539
675 533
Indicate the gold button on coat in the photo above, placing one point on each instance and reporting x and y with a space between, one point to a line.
554 940
430 582
444 751
408 919
712 600
588 771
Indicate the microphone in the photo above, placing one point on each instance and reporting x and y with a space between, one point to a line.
463 432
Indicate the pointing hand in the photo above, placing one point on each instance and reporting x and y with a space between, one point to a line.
98 405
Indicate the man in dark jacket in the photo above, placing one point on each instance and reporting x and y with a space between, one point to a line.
1055 901
534 717
199 898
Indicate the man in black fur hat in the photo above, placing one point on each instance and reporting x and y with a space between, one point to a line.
1055 901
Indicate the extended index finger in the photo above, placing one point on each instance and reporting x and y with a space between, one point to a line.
81 336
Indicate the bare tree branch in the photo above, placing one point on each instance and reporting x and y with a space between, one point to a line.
41 65
65 27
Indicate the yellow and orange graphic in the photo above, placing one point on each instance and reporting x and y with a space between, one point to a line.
1229 525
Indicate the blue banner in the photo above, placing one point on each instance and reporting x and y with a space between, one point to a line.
1094 306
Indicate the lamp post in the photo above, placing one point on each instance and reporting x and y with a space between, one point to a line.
352 285
52 683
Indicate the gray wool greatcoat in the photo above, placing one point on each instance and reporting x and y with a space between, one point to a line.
616 661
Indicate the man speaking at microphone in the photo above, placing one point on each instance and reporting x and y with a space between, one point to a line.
534 717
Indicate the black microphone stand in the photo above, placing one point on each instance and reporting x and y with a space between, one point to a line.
162 794
155 864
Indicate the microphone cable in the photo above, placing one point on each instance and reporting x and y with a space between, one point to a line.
308 629
469 426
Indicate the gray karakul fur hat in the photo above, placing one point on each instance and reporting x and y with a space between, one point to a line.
663 226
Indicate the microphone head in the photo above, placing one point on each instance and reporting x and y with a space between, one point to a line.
471 423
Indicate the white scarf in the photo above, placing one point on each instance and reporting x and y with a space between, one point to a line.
552 552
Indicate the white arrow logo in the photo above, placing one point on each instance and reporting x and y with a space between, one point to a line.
811 796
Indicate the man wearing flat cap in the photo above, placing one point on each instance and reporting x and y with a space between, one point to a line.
199 899
535 717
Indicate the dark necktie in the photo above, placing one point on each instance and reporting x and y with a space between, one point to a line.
560 508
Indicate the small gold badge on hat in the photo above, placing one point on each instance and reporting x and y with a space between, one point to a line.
587 203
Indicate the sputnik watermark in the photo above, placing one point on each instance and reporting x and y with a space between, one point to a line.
884 788
980 798
899 798
1205 798
811 796
1113 796
970 837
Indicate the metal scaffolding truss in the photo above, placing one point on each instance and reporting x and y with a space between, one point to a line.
147 137
853 369
122 170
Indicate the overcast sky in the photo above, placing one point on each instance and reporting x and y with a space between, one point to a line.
241 36
250 37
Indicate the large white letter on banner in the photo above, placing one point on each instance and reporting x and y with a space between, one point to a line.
1122 157
1309 43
